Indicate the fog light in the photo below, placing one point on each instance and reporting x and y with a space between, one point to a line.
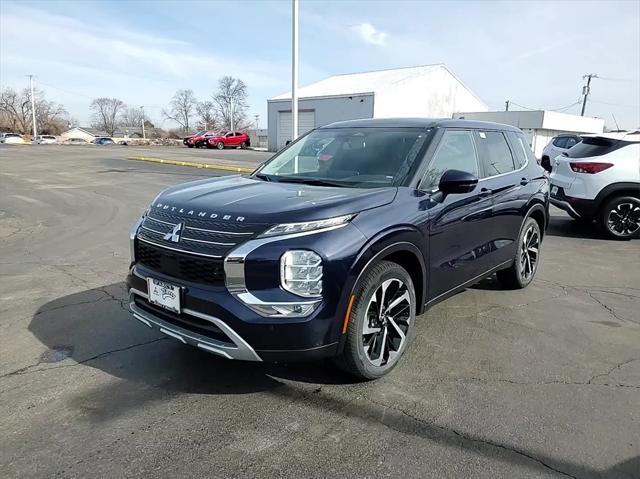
301 273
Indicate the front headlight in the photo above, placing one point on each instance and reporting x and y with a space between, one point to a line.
301 273
291 228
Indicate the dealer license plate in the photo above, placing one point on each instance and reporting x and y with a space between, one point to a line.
164 294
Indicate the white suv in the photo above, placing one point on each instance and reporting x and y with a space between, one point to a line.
599 179
557 146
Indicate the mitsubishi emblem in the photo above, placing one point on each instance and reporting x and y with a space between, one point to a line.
174 234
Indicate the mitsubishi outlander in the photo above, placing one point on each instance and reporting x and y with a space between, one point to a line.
335 245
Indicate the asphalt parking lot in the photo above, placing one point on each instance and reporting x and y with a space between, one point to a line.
543 382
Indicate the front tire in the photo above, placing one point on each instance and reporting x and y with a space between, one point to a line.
220 145
525 264
619 219
381 322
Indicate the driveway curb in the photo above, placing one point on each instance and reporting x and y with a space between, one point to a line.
237 169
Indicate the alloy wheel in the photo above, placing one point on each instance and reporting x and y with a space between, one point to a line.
624 219
529 253
386 324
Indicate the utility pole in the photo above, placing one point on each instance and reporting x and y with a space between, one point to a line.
257 117
231 112
33 108
506 105
586 90
144 136
294 71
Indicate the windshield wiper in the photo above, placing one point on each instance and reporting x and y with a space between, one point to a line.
312 181
262 176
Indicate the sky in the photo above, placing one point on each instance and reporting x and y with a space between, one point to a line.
532 53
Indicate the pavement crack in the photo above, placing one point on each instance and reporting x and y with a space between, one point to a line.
465 437
610 371
30 369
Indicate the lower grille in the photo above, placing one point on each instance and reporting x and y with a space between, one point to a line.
180 266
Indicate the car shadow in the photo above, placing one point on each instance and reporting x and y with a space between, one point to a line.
95 328
567 227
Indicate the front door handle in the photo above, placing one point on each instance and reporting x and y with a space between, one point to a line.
486 192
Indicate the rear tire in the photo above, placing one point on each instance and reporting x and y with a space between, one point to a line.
619 218
243 145
525 264
381 323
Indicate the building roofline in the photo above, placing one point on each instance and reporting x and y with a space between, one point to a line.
322 97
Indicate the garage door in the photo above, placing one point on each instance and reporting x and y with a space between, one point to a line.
306 122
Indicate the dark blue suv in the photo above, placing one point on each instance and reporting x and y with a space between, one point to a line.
334 246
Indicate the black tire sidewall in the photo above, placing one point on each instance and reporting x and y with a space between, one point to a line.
364 291
525 227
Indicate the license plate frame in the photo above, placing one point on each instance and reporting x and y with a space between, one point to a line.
164 294
554 190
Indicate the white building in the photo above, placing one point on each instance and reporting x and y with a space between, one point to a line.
82 132
430 91
539 125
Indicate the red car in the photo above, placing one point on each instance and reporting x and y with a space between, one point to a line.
199 139
233 139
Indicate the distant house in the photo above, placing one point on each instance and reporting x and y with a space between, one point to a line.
83 132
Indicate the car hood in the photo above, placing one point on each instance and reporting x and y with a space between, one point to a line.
257 201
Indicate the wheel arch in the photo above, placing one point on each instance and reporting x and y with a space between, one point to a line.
626 188
538 212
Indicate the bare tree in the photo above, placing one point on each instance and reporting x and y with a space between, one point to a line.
207 119
181 108
106 113
231 99
131 116
15 112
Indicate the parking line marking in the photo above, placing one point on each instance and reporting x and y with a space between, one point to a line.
237 169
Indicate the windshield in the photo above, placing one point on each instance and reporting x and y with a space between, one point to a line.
356 157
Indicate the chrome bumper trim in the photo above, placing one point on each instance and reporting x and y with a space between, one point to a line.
237 349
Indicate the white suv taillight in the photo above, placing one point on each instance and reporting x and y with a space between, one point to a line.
589 167
301 273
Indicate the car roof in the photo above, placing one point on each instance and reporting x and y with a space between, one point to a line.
632 136
420 123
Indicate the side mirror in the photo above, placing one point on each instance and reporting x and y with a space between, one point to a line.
456 182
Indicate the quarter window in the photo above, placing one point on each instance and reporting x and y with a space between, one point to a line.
456 152
560 141
497 158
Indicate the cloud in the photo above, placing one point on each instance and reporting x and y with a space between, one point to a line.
370 34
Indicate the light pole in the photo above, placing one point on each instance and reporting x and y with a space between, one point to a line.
294 71
257 117
33 108
144 136
231 112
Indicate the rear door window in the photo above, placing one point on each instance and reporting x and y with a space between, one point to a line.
495 153
560 141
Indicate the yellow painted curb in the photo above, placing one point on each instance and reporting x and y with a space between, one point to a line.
237 169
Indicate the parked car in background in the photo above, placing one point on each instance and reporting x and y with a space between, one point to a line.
599 179
334 246
123 142
104 141
229 139
558 145
76 141
46 140
191 140
12 138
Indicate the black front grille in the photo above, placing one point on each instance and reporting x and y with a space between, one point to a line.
197 269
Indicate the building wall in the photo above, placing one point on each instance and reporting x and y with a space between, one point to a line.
327 110
434 94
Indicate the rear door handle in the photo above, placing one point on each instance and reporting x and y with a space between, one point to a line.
524 181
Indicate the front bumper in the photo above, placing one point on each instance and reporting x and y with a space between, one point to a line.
214 321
